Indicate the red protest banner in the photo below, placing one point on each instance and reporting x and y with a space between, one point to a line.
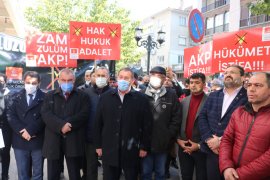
14 73
198 59
48 50
248 48
98 41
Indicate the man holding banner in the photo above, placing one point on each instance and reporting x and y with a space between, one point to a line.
216 114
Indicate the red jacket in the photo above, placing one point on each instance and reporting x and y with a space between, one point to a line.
255 162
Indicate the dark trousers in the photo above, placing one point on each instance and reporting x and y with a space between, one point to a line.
188 162
73 166
113 173
5 156
92 161
212 166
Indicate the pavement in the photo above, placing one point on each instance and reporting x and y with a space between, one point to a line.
14 176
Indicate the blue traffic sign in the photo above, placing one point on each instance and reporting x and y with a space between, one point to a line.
196 25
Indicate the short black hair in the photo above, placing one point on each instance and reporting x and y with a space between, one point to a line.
187 81
268 79
241 69
197 76
267 75
32 74
128 70
4 76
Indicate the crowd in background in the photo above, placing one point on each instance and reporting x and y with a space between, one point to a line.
139 125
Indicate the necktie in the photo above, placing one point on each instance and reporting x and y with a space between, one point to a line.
30 99
67 95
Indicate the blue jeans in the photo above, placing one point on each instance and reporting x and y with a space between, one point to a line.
23 158
154 162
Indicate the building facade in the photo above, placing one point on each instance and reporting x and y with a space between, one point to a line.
229 15
174 22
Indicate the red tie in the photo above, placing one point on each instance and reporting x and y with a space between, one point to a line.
67 95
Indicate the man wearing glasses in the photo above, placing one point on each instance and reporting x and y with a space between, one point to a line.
65 112
216 114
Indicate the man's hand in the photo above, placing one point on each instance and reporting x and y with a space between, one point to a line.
66 128
142 153
99 152
230 174
182 143
194 147
213 143
25 134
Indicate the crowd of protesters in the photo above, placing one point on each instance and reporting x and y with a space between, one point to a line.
138 126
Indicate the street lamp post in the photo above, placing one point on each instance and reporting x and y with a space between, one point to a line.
149 43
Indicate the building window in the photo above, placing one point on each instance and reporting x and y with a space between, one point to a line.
181 41
209 23
182 21
160 60
219 20
180 59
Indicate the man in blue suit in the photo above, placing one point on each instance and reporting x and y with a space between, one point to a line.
28 128
216 114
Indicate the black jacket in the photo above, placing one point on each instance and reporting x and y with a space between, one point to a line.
6 130
122 129
21 116
56 112
94 94
167 118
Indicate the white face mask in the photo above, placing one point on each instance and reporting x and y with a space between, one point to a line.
101 82
30 88
155 82
87 82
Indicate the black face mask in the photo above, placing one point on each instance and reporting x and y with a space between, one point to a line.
146 83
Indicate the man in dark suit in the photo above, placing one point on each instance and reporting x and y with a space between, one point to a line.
65 112
216 114
189 140
122 129
4 126
102 76
28 128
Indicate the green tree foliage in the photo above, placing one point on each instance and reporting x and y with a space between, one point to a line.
54 16
259 7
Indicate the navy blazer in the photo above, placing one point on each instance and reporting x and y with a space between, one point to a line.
210 121
21 116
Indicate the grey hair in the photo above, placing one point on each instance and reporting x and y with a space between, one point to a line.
68 71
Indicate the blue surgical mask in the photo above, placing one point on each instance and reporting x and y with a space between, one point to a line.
67 87
123 85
